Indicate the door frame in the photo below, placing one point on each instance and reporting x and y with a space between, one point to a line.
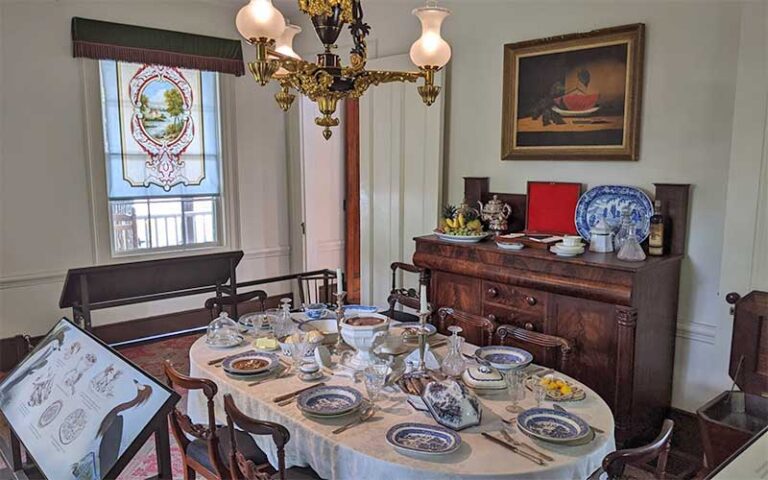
352 199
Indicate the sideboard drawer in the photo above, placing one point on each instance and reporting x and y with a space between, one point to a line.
502 315
522 299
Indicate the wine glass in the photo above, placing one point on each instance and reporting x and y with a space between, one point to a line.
375 375
515 380
299 348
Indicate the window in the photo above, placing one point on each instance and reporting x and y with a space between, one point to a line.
163 159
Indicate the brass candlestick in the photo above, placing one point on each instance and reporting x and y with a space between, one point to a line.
340 345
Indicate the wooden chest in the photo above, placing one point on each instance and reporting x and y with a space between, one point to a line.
620 316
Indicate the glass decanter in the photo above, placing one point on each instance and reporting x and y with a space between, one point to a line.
283 324
454 363
625 228
631 251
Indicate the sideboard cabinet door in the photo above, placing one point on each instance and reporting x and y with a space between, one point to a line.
456 291
591 326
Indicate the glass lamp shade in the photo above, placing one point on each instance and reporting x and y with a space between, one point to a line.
260 19
430 50
284 44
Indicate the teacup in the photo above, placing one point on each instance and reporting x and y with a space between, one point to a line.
571 241
314 311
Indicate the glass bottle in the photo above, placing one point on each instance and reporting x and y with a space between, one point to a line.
284 325
625 228
631 251
454 363
656 237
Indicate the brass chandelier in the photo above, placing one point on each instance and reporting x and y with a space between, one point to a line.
327 81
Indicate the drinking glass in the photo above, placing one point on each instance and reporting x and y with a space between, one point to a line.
299 348
375 375
539 393
516 388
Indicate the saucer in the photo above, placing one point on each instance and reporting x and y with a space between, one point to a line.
510 246
566 253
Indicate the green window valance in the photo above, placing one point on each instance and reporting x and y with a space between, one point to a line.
130 43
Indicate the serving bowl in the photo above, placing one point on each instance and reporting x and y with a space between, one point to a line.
362 332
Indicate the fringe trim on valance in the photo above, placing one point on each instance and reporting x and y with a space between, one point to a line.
103 51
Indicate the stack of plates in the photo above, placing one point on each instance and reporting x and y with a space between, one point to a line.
329 401
553 426
423 439
562 250
250 364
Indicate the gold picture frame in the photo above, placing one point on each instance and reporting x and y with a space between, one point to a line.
574 97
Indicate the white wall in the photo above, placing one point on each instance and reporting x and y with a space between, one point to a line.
692 51
45 225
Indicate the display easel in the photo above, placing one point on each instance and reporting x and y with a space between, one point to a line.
105 286
23 465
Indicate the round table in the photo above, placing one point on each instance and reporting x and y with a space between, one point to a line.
362 451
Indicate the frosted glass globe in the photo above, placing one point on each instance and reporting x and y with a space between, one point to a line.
260 19
431 50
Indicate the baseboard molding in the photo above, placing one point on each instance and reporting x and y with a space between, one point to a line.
697 332
142 328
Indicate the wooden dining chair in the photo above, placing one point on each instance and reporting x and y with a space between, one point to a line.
521 337
317 288
476 329
615 462
241 466
215 305
206 454
408 297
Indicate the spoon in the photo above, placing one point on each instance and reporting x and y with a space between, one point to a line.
364 416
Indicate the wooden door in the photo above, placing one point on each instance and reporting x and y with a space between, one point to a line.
400 176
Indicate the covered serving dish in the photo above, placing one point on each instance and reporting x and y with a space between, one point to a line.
451 405
484 378
223 332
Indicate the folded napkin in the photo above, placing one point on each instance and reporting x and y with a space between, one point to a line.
430 359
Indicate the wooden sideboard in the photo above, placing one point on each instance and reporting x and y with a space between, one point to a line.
620 316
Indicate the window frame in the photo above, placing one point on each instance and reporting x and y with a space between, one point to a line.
102 242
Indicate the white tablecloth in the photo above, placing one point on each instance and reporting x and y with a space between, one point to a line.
362 452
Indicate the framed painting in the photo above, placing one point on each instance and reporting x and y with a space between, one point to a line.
574 97
80 409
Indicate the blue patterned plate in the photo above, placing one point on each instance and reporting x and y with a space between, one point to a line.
329 401
608 201
504 358
250 363
552 425
423 439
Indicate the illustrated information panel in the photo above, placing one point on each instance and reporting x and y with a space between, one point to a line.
76 405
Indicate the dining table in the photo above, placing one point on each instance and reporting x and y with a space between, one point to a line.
362 452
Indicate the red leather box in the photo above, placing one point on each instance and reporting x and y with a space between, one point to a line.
550 208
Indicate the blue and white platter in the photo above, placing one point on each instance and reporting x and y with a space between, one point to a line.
461 238
329 401
250 363
608 201
553 425
504 358
422 439
360 309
